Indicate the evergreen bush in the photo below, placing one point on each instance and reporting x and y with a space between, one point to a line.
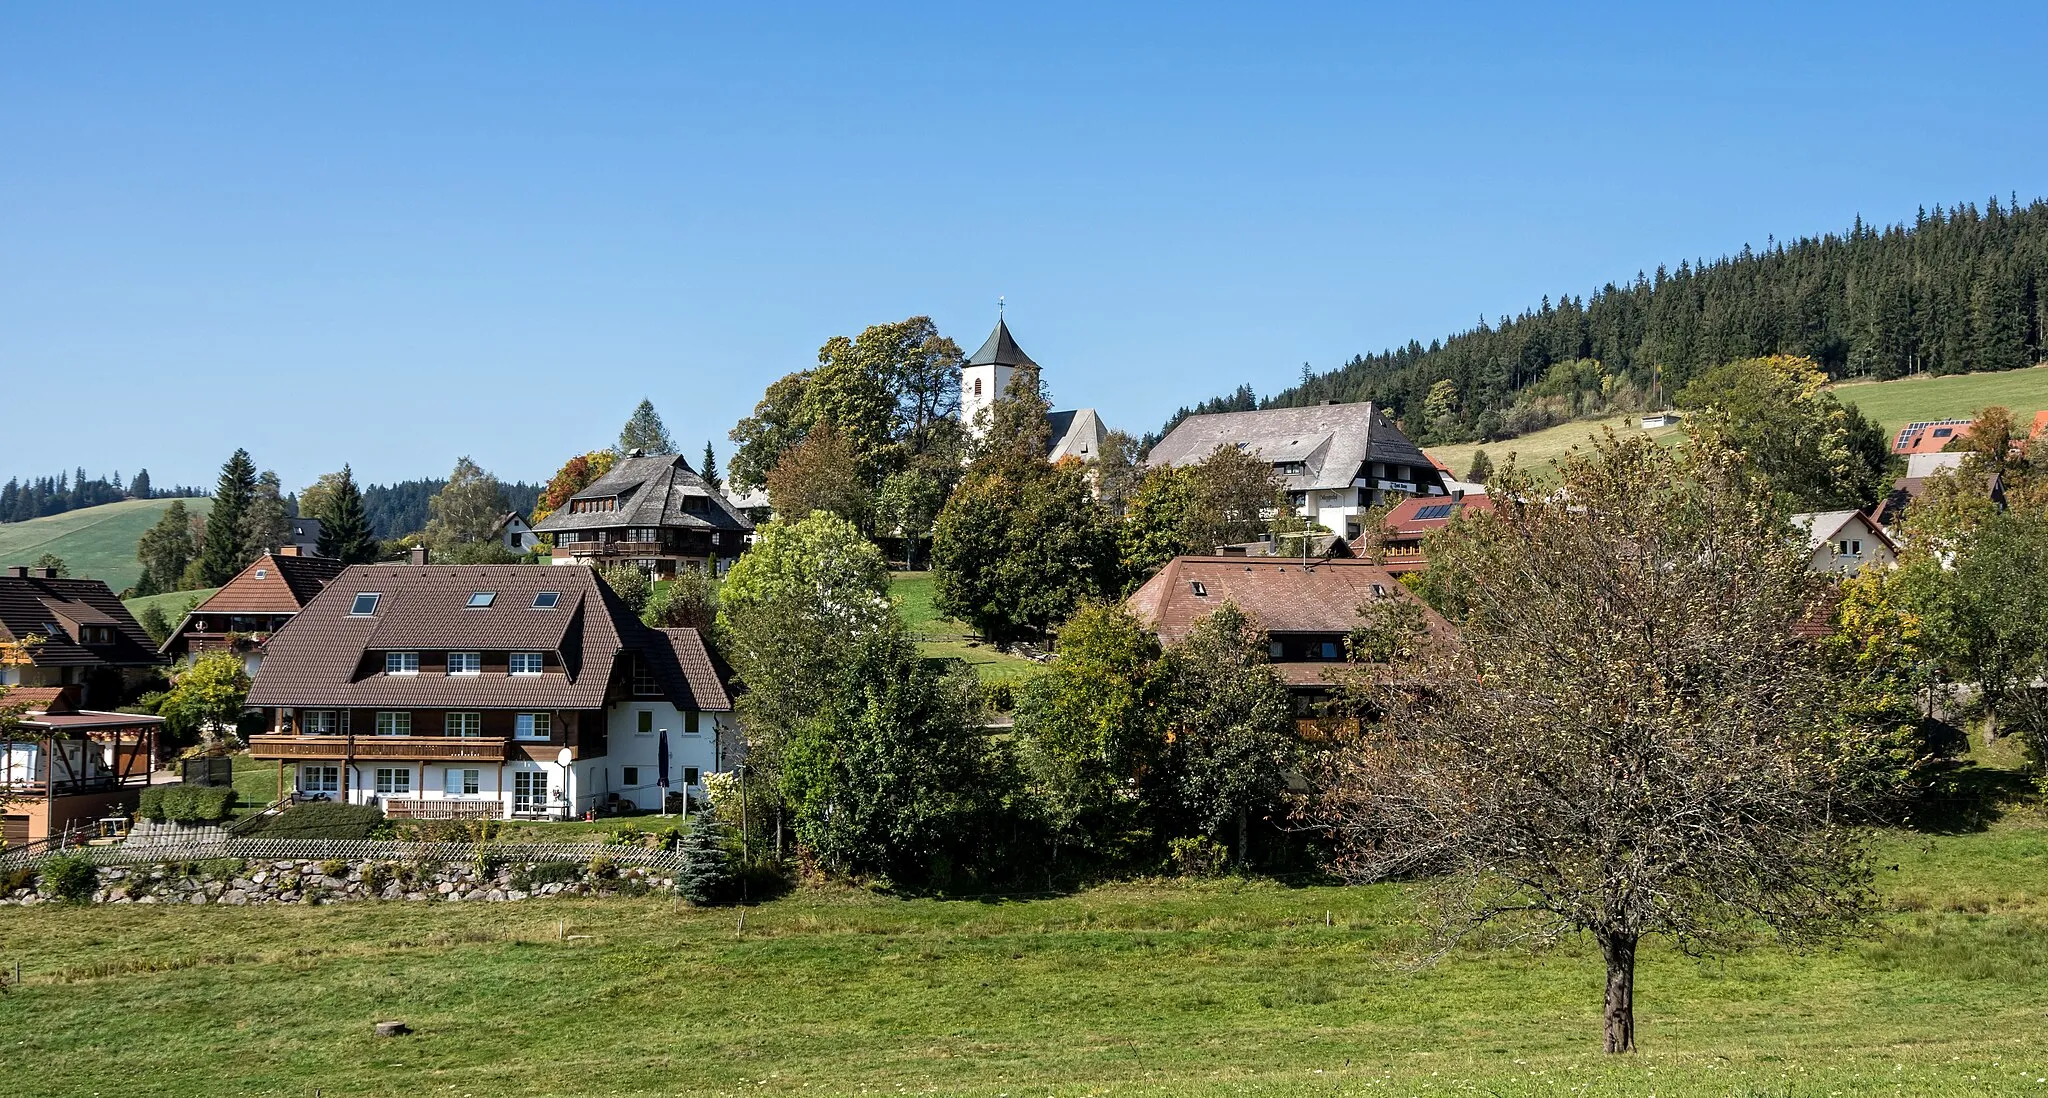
71 878
705 878
186 803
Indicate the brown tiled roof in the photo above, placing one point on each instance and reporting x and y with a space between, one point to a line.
1406 521
42 699
272 585
29 604
318 659
1285 595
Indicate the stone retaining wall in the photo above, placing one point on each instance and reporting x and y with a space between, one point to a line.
236 882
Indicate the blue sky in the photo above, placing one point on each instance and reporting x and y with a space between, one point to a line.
394 234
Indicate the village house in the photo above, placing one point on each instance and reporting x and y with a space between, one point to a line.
1845 542
1929 436
1307 609
61 632
438 691
249 608
984 378
1336 461
515 533
1410 522
650 510
303 537
64 769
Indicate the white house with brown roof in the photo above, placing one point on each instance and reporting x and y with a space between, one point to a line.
1337 461
441 691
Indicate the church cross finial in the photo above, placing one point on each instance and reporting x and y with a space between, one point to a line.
999 307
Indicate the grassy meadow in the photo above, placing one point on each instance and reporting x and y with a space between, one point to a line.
1162 988
96 542
1891 403
172 603
943 637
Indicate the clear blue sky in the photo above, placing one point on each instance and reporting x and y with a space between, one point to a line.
393 234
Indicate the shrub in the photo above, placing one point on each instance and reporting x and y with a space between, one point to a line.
220 869
323 820
602 868
71 878
530 878
14 880
333 867
705 877
1199 856
1000 697
186 803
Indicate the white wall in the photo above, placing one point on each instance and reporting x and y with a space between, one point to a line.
994 380
629 748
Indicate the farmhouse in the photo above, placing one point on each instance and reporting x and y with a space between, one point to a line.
651 510
1306 609
253 605
444 691
61 632
1337 461
1845 542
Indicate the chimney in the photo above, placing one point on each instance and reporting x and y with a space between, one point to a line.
46 573
17 571
287 551
417 555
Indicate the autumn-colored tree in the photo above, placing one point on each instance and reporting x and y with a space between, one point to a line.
575 475
820 474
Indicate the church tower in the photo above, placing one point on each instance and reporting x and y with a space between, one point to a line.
985 376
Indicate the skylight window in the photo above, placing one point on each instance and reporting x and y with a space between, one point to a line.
1434 511
365 605
479 600
1200 589
546 600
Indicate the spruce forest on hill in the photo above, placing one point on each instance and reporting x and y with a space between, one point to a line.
1959 290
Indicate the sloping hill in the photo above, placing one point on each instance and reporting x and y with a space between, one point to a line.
96 542
1893 404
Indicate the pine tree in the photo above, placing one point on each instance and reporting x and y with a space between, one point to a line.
345 533
645 433
221 555
139 487
709 470
164 551
266 523
705 877
1482 467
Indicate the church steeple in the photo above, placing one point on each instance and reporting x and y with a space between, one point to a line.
985 376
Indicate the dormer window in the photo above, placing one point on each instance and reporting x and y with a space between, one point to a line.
643 679
401 663
365 605
587 506
546 600
526 663
465 663
481 600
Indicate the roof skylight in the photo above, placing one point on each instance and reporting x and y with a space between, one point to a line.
479 600
546 600
365 604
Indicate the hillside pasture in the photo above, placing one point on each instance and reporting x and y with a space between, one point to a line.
941 637
96 542
1149 988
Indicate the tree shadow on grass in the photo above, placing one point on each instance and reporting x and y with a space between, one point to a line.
1963 797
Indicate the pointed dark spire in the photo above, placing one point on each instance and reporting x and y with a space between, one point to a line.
1001 349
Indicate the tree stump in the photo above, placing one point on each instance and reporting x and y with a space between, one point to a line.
393 1029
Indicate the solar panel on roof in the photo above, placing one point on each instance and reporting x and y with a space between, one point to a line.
1434 511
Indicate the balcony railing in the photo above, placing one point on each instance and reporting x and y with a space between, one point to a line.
275 746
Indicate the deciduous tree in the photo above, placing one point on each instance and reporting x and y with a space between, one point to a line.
164 550
467 509
1090 725
1232 727
1779 413
820 473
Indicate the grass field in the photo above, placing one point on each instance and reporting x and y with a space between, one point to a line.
96 542
1891 403
948 638
172 603
1140 989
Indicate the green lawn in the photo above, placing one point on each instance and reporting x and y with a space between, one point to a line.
948 638
172 603
1891 403
1152 989
96 542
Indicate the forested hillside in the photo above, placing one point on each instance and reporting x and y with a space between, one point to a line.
1959 290
41 497
395 510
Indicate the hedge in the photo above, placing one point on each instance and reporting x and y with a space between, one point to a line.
323 820
186 803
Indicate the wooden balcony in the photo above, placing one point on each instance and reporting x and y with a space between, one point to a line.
443 808
378 747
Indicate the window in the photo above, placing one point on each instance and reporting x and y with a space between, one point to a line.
546 600
1850 547
642 533
529 790
1275 650
365 605
977 386
318 722
481 600
318 780
466 726
262 572
462 783
630 775
397 723
1329 650
50 629
586 506
526 663
401 663
1200 589
646 722
690 722
465 663
643 678
394 779
532 726
689 775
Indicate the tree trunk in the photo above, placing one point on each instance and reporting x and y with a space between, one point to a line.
1620 951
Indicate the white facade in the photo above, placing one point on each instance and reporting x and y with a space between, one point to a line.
980 387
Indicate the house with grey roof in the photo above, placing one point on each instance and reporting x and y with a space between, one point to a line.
651 510
488 690
1336 461
1845 542
985 376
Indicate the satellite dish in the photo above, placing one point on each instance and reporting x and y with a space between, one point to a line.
565 757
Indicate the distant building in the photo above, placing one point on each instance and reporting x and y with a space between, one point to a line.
1845 542
1414 519
985 377
517 535
65 632
304 536
651 510
1659 419
247 609
1929 436
1337 461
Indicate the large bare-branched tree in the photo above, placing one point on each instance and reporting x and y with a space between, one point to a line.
1628 739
